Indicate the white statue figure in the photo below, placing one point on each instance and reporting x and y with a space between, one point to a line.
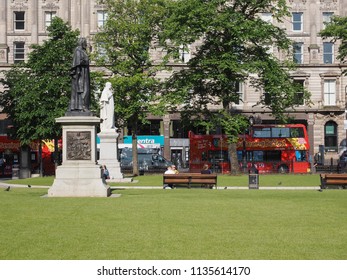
107 108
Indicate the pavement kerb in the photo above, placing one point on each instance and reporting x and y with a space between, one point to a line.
5 185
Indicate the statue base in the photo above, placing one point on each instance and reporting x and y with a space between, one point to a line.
79 175
108 153
79 180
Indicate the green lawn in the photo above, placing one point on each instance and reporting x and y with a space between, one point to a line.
223 180
175 224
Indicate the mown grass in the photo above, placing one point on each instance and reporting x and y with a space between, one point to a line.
175 224
223 180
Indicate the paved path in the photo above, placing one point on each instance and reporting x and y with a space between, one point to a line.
3 184
227 188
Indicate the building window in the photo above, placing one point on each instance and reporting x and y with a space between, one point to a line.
267 17
297 21
18 52
184 53
19 21
48 18
151 128
102 18
327 18
328 53
101 52
298 53
267 98
329 92
239 91
330 136
299 95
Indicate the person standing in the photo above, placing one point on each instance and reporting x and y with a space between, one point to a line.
80 88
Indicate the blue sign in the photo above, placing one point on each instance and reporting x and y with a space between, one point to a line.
146 139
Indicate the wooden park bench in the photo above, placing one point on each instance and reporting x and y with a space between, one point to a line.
205 180
333 181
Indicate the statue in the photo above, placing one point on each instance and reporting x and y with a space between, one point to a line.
107 108
80 89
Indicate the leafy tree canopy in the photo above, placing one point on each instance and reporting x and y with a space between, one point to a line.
337 30
38 91
124 46
233 45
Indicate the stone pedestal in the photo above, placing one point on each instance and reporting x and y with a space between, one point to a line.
79 175
108 153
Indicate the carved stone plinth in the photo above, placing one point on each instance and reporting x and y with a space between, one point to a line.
108 153
79 175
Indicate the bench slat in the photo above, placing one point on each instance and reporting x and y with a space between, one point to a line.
333 180
178 180
205 181
336 182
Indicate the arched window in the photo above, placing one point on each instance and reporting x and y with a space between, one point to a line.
330 136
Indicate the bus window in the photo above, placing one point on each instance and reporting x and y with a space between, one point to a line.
203 156
273 156
280 132
258 156
297 132
262 132
300 155
218 155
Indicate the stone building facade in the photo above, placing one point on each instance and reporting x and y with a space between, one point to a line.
24 22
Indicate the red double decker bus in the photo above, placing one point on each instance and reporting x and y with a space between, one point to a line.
270 148
9 156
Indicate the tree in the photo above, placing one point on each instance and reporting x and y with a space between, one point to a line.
336 30
234 47
38 91
124 47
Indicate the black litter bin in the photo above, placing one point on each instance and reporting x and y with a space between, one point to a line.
253 178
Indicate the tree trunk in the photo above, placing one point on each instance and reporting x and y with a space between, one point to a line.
25 162
40 159
234 163
135 155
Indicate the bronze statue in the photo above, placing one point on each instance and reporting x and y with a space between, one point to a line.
80 89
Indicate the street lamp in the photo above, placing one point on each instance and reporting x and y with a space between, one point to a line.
244 151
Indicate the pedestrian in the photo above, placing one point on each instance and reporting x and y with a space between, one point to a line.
105 173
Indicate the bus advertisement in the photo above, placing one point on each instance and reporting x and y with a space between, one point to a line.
268 148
